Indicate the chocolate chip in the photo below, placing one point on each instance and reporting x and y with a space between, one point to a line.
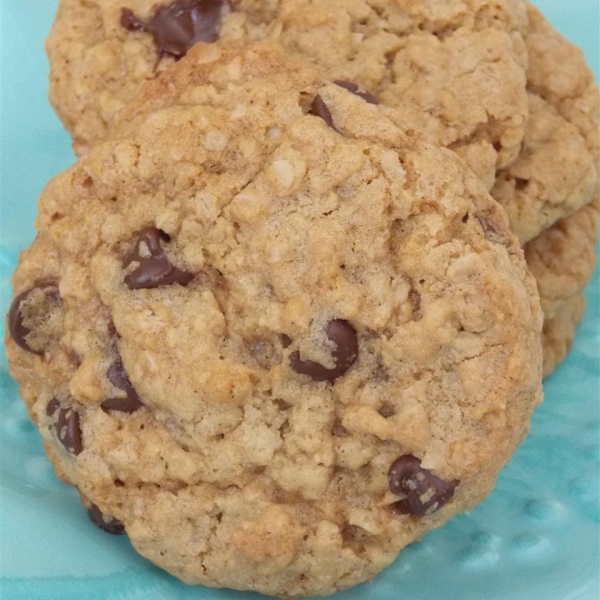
117 375
286 341
357 91
108 524
386 411
345 340
21 308
425 493
68 429
52 407
153 270
320 109
178 26
521 184
338 430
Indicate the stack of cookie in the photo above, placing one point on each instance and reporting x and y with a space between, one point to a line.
274 326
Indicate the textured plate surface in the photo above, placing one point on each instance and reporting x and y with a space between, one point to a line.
536 538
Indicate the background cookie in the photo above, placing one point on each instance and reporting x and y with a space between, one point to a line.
557 172
554 176
455 69
563 258
558 72
559 332
240 399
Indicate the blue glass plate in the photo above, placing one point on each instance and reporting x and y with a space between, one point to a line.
536 537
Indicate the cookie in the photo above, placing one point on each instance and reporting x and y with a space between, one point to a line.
563 258
558 73
559 332
557 171
454 69
554 176
285 337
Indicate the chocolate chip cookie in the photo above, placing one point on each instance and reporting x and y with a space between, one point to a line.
563 258
560 331
557 171
554 176
269 334
454 69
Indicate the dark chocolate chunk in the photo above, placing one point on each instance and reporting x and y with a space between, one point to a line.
16 319
52 407
286 340
68 430
357 91
154 268
178 26
345 353
107 524
425 493
117 375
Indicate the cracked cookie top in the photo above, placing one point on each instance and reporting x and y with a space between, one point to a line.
270 334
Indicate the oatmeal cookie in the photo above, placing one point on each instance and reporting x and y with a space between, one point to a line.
560 331
269 334
453 68
554 177
563 258
557 171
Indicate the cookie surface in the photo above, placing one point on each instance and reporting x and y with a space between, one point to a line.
454 69
284 338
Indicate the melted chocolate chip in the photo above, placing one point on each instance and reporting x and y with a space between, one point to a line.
178 26
16 325
345 353
153 270
320 109
52 407
425 493
117 375
68 430
357 91
107 524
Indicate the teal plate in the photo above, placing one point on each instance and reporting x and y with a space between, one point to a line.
535 538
